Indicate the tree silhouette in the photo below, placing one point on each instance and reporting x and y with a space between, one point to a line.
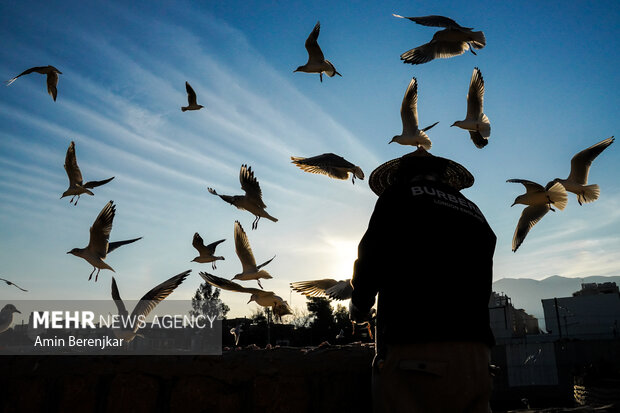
206 302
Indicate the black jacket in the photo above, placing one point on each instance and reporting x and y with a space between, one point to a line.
428 252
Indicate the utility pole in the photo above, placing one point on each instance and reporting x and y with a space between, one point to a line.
557 316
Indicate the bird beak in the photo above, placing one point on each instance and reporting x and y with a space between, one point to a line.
249 301
17 311
513 204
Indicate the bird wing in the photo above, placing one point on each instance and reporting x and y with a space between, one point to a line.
38 69
475 96
198 243
228 285
433 50
243 249
211 247
327 287
529 185
328 164
100 230
157 295
71 166
581 162
12 283
191 95
409 107
315 54
432 21
94 184
52 82
250 185
478 140
529 217
120 306
114 245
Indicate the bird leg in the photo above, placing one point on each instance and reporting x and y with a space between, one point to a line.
255 223
76 201
260 285
321 76
91 274
369 331
97 276
471 49
213 265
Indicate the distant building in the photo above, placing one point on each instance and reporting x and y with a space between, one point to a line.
508 322
591 313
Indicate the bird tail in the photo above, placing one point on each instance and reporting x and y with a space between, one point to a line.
478 40
590 193
269 217
557 195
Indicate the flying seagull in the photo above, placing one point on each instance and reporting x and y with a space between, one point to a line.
76 185
52 78
476 122
577 181
191 99
6 316
205 254
252 201
329 164
12 283
250 271
452 41
332 289
539 200
144 306
412 134
236 331
261 297
317 63
326 287
98 246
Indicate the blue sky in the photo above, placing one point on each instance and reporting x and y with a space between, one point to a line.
551 79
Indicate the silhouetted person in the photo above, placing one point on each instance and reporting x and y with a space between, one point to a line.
428 253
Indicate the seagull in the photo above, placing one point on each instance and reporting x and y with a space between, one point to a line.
76 185
52 78
98 246
452 41
476 122
252 201
250 271
6 316
261 297
327 287
146 304
329 164
191 99
12 283
539 200
236 331
577 181
317 63
412 135
205 254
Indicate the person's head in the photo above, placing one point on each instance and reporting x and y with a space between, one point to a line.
416 166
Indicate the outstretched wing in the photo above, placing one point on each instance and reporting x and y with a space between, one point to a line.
529 185
120 306
581 162
157 294
432 21
71 166
475 96
191 95
250 185
225 284
328 164
529 217
38 69
243 249
114 245
100 230
315 54
93 184
409 107
327 287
